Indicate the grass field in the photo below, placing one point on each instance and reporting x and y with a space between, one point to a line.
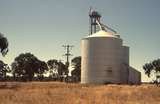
61 93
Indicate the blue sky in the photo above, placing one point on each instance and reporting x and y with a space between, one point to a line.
43 26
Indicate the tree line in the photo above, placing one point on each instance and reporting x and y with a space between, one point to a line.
27 67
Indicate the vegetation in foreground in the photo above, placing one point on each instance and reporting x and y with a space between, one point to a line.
62 93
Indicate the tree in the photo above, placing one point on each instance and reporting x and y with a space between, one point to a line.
62 69
153 68
3 45
57 69
42 68
76 72
26 66
4 69
53 67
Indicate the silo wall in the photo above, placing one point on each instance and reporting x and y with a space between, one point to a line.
125 54
101 60
125 64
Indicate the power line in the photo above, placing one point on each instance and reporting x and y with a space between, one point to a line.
68 49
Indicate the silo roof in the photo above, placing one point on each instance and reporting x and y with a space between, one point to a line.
103 33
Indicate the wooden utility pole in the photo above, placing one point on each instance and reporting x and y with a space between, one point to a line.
68 49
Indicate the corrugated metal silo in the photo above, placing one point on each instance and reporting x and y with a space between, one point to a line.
102 58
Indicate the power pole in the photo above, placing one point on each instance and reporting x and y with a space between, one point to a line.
67 53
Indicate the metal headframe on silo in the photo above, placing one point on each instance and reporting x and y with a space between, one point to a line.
95 21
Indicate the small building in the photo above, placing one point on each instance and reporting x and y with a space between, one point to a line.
134 76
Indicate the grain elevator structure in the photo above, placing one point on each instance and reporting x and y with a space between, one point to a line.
104 57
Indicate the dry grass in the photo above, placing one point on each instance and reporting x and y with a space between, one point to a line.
61 93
